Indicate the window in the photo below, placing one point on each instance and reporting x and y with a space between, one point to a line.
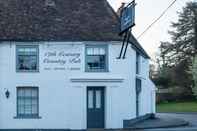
27 58
138 91
96 58
137 63
27 102
138 85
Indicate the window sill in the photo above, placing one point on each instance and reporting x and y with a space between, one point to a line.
97 71
30 71
27 117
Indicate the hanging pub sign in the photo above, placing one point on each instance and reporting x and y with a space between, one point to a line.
127 21
127 17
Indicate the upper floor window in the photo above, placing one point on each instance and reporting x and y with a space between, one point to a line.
137 63
27 58
27 102
96 58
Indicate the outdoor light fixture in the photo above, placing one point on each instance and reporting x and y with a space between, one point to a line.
7 94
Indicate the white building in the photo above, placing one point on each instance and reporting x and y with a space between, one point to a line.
59 67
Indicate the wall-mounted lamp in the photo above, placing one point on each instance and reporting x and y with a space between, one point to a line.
7 94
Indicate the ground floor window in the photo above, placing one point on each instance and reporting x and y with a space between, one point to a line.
27 102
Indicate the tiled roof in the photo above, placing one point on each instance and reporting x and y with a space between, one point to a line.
58 20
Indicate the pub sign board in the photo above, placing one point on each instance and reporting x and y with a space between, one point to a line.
127 17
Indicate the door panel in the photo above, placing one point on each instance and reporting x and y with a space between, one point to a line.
98 99
95 107
90 99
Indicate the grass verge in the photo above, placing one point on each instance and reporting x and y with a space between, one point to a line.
177 107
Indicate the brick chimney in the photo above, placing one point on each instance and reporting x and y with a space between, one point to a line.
120 9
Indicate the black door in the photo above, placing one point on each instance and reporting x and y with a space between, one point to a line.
95 107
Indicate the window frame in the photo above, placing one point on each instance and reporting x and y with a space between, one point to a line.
138 85
138 63
26 116
105 46
17 54
138 90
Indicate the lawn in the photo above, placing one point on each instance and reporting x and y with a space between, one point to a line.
177 107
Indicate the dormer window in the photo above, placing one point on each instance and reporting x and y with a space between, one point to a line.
96 58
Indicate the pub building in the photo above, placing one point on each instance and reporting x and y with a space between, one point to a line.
59 68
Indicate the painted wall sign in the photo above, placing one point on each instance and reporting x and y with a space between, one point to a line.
64 58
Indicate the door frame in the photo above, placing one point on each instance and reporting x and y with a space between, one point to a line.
104 104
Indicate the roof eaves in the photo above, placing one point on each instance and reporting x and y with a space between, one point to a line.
136 45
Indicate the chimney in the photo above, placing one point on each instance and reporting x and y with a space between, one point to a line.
120 9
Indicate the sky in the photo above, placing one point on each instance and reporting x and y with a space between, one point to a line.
146 12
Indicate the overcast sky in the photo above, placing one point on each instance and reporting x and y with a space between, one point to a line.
146 12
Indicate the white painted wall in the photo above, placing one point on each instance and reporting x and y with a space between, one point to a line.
62 103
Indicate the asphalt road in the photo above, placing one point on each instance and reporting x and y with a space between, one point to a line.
190 117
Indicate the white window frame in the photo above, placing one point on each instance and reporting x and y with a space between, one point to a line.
17 57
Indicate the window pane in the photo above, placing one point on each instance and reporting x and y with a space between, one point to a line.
34 101
28 101
34 109
89 51
98 99
27 62
28 109
96 51
28 92
21 101
20 92
34 93
32 50
21 110
96 62
90 99
21 50
102 51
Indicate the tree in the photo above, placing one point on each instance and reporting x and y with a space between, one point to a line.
194 74
176 56
183 43
163 78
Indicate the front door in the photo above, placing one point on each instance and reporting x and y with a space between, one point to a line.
95 107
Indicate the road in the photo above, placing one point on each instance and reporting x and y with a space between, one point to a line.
190 117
